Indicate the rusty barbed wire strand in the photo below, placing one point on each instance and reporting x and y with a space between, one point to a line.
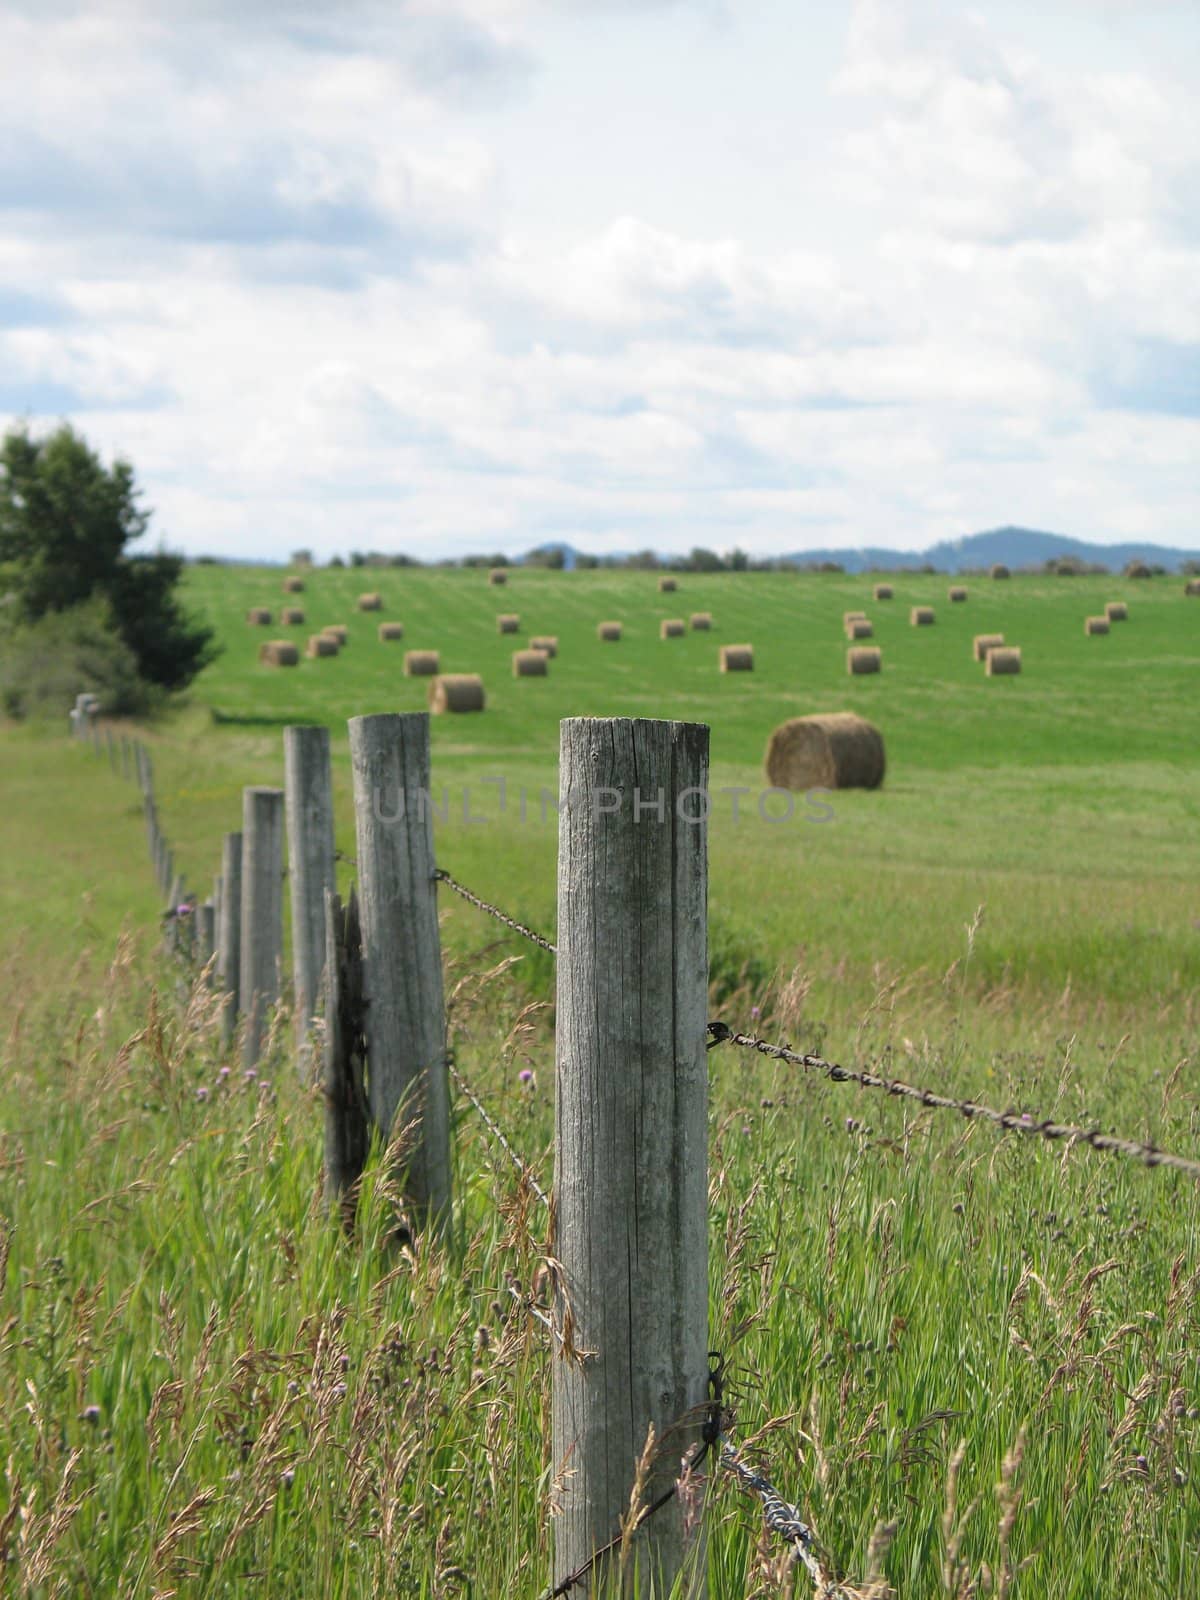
1012 1121
442 876
784 1519
524 1170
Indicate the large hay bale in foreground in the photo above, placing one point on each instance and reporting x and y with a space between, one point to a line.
279 653
610 632
546 643
700 621
1095 625
456 691
864 658
667 586
291 616
1117 611
508 622
853 616
984 642
321 644
293 586
258 617
859 628
421 663
1192 587
999 570
370 602
837 750
497 576
529 664
883 591
1003 661
671 628
337 631
736 658
390 631
921 616
956 594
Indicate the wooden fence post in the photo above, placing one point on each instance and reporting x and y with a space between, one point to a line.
262 911
631 1136
125 767
229 933
347 1120
407 1074
308 785
206 917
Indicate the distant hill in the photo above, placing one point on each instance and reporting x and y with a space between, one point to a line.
1015 547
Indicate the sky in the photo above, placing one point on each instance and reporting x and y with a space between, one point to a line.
473 275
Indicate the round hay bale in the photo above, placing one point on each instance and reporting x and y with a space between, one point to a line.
529 663
321 644
293 586
667 586
864 658
546 643
370 602
291 616
921 616
837 750
389 631
1192 587
859 628
1138 569
456 691
279 653
853 616
1095 625
671 628
956 593
421 663
338 632
736 658
1003 661
999 570
984 642
258 617
883 591
1117 611
700 621
610 632
497 576
508 622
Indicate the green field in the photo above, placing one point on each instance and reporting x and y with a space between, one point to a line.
280 1413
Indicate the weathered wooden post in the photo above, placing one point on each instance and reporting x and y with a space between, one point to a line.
402 959
308 785
110 747
166 866
229 933
347 1121
262 911
205 932
631 1178
126 772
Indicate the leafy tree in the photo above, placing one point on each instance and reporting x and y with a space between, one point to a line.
65 522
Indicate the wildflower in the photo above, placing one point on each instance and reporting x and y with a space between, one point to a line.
249 1075
756 1012
202 1093
90 1414
223 1074
525 1076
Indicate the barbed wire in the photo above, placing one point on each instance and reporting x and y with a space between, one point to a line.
442 876
784 1519
1012 1121
523 1168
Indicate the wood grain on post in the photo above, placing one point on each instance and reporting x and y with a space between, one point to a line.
407 1078
347 1122
206 916
631 1183
262 912
229 933
308 785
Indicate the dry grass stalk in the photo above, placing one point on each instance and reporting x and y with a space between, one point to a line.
736 658
370 602
671 628
921 616
389 631
457 691
835 750
508 622
291 616
862 659
258 617
1095 625
279 653
984 642
421 663
1003 661
610 632
529 663
321 644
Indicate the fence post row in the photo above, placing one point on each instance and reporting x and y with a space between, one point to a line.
631 1182
308 787
229 933
407 1078
262 912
